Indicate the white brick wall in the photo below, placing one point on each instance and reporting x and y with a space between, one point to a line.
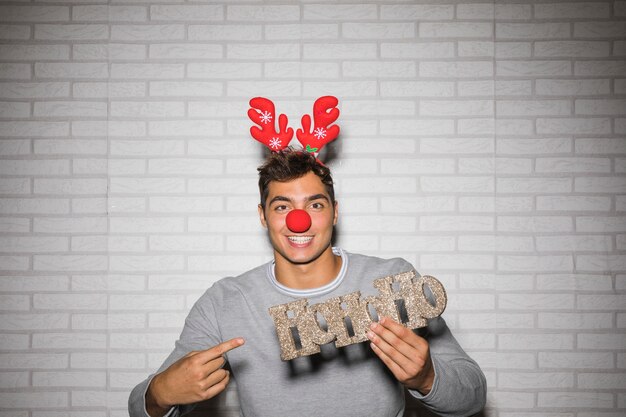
484 142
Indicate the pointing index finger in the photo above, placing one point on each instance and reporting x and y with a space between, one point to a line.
219 350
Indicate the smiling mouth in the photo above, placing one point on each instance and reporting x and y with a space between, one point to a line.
300 240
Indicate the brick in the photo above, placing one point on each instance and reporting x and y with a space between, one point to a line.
578 49
222 186
500 204
408 204
601 301
534 185
600 262
71 32
35 400
533 107
108 89
69 225
572 87
456 108
185 204
146 263
14 147
605 29
537 301
72 70
575 360
529 342
273 51
146 302
34 90
14 110
457 262
455 30
15 13
69 263
532 30
73 186
495 243
340 50
579 126
142 148
146 109
216 32
600 146
74 340
600 184
109 51
14 380
15 263
464 69
363 69
417 50
416 89
185 128
424 166
230 264
533 68
184 88
340 12
522 380
574 243
597 380
109 13
186 243
535 263
456 223
15 71
510 50
600 106
14 32
396 30
483 11
264 89
33 283
135 33
37 244
575 321
70 109
380 223
599 68
577 400
476 49
69 379
186 13
457 184
147 70
573 165
421 244
415 12
280 13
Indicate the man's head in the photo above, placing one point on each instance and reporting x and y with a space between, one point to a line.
290 183
288 165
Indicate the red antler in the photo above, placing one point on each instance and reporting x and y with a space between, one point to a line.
262 113
325 112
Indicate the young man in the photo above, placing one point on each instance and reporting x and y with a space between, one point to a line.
230 322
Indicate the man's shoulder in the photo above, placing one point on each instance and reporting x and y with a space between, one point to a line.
379 265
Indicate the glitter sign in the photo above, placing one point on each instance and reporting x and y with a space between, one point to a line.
301 334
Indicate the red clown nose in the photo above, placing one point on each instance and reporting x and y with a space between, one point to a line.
298 221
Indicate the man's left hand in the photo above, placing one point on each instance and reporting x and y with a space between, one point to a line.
406 354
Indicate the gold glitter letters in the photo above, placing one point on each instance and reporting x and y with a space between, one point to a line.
347 318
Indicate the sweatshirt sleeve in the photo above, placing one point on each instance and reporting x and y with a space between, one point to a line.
459 388
199 333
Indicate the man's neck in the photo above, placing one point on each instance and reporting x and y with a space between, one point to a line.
314 274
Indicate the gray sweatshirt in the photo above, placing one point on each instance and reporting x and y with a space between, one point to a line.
347 381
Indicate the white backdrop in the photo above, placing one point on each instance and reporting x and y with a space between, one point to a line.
484 143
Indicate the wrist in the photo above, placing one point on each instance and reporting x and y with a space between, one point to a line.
154 400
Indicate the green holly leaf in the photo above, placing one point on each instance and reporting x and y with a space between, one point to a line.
309 149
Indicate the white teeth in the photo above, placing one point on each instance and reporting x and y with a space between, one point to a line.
300 239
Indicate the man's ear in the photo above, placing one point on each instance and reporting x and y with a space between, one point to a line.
336 214
262 216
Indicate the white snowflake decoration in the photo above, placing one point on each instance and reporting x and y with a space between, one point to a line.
320 133
275 143
266 117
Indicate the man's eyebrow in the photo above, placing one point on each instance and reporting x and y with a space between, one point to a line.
317 197
309 198
280 198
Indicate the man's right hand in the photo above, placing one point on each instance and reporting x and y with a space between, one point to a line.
195 377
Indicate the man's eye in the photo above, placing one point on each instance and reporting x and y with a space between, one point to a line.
280 208
317 206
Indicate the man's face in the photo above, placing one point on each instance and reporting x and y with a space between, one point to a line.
305 193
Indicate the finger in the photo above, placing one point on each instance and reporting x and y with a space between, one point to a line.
396 341
402 332
401 359
208 355
218 387
395 369
214 378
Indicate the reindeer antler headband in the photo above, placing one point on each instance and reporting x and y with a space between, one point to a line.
325 112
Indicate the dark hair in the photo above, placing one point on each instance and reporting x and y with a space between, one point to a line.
288 165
